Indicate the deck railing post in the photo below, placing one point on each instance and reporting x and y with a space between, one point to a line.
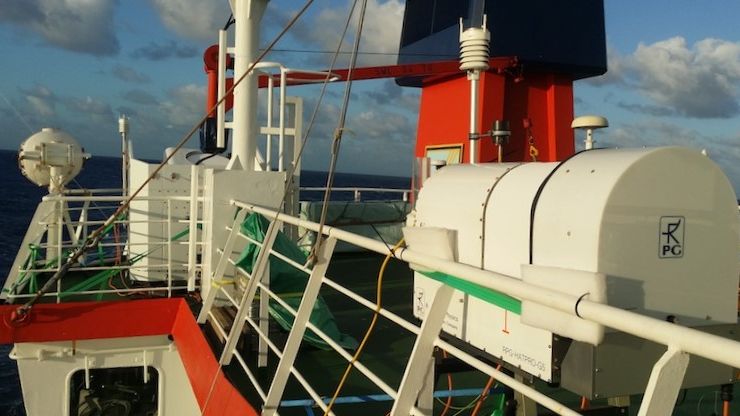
258 272
169 248
299 327
59 241
193 226
264 320
413 377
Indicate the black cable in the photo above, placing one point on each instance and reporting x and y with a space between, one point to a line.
205 158
230 21
390 249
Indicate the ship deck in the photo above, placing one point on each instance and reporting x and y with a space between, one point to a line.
387 352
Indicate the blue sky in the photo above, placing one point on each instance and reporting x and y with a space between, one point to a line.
673 79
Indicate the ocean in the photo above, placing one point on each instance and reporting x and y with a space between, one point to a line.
20 198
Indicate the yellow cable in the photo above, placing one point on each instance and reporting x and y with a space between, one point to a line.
376 313
221 283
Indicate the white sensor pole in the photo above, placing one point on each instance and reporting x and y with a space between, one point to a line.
474 55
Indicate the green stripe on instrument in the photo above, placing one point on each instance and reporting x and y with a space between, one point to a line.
483 293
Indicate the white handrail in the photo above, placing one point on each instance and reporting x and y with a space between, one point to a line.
690 340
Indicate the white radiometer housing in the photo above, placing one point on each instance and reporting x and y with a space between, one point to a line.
653 231
51 158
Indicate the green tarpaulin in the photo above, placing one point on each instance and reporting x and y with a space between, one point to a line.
287 281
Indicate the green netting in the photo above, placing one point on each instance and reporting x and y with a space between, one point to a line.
286 280
100 278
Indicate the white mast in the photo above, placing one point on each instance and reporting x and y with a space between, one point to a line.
248 14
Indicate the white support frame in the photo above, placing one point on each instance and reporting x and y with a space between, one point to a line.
193 226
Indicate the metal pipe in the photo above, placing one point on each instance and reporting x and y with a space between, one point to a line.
123 130
192 225
268 146
474 78
589 142
281 140
221 77
299 377
247 14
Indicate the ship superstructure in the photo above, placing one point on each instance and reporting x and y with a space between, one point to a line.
547 280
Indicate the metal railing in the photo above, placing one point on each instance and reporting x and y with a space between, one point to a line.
357 192
63 222
410 396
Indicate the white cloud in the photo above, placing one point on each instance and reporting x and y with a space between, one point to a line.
84 26
128 74
42 101
724 150
185 106
699 81
194 19
381 31
160 51
89 105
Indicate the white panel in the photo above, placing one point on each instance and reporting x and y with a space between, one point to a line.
454 198
500 333
220 187
44 382
151 237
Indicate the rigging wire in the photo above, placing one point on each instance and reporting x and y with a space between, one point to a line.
337 140
17 114
317 107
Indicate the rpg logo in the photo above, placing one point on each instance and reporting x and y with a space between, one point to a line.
671 237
